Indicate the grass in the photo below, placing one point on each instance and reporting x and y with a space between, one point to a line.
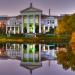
40 38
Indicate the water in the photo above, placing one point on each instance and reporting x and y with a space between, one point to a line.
37 59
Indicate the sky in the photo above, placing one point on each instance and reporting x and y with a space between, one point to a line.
13 7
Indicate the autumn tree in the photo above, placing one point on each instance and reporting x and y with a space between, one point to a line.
62 25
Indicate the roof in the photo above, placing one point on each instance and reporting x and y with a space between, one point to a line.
46 16
31 66
31 9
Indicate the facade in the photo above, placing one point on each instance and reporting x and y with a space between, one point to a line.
31 21
13 25
49 23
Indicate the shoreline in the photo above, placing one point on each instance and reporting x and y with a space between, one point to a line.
32 40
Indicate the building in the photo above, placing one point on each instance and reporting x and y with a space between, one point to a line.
13 25
49 23
31 21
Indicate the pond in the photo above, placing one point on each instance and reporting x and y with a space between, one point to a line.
37 59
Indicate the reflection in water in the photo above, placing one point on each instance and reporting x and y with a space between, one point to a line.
66 58
33 55
13 50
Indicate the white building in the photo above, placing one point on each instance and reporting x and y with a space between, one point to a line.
31 21
48 23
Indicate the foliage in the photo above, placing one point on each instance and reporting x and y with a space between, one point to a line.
66 25
62 25
2 31
66 59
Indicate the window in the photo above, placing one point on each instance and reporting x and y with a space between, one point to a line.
8 28
51 21
12 28
46 28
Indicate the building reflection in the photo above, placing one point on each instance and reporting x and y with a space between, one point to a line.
48 51
31 55
30 52
13 50
31 58
34 54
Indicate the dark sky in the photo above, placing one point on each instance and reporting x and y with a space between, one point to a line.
13 7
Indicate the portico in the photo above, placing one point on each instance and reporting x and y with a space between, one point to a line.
13 29
31 20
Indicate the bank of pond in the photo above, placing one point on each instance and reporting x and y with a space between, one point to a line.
33 39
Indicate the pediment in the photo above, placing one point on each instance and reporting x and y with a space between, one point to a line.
31 9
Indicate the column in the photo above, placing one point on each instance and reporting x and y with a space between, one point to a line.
14 46
34 53
10 30
22 54
44 29
6 47
14 30
22 25
34 23
27 23
48 28
18 29
48 47
39 23
44 47
39 52
27 52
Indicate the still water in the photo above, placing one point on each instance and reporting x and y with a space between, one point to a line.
37 59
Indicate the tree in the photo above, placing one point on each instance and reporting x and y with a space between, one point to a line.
66 59
71 23
62 25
